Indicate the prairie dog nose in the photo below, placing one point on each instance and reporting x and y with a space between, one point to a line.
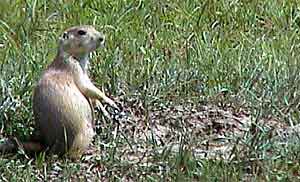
100 39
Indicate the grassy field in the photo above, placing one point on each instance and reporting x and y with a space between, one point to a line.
192 78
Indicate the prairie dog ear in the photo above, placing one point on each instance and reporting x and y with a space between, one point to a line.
63 41
62 38
65 38
65 35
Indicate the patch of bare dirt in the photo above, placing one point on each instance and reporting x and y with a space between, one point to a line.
208 130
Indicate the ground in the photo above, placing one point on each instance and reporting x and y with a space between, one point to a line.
208 90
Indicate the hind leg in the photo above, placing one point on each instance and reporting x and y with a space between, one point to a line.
82 140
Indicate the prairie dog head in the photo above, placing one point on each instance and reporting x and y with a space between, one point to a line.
81 40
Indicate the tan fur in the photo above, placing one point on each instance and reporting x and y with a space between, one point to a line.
61 100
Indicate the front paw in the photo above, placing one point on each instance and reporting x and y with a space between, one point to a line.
111 103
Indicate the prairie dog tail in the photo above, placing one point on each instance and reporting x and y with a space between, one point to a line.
11 145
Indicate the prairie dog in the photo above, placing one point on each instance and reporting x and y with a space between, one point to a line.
61 99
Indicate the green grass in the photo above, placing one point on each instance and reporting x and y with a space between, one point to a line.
238 56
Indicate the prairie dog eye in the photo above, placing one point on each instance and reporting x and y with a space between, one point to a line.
81 32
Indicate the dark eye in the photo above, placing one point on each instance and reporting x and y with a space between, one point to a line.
81 32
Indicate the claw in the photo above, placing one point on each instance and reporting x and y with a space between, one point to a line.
105 113
111 103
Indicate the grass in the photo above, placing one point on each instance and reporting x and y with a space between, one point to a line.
169 64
